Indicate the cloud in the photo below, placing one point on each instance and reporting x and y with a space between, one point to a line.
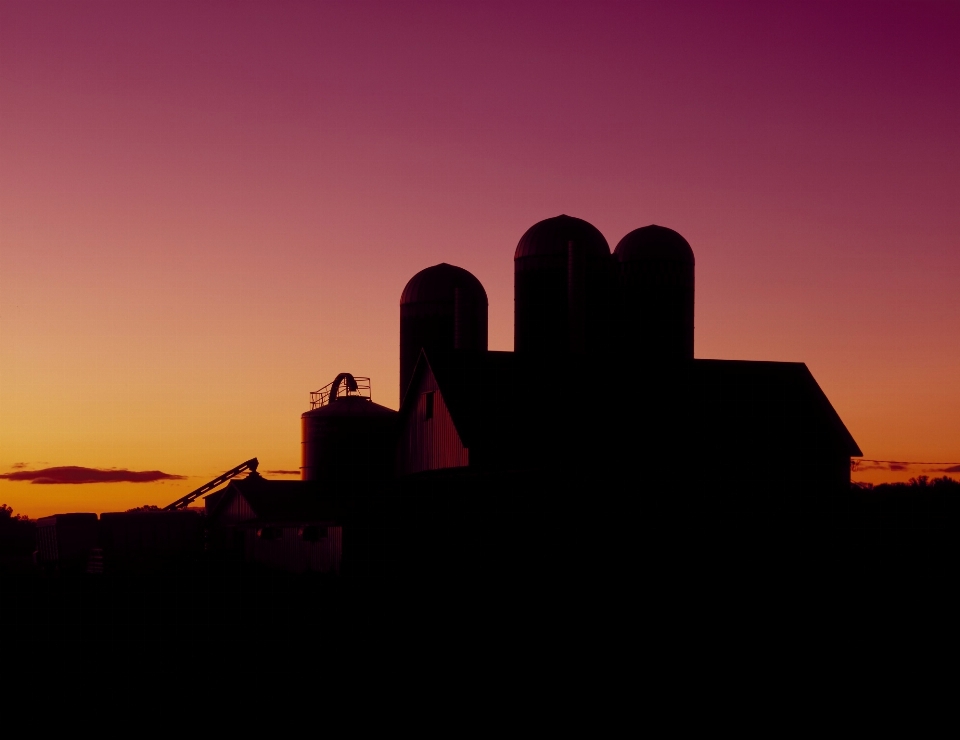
283 472
951 469
18 466
73 474
860 466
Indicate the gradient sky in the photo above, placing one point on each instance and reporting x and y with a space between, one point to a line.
208 209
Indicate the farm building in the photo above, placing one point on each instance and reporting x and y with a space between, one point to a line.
599 442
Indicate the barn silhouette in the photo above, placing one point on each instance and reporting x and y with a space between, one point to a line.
600 448
601 434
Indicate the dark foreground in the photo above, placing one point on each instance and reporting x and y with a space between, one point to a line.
737 593
660 576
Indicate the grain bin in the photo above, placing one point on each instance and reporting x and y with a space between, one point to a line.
347 439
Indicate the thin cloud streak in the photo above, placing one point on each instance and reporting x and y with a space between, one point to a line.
73 475
887 466
862 464
282 472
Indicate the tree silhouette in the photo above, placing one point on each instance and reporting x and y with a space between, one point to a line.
6 514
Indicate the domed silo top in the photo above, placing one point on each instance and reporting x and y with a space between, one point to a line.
438 284
655 243
550 237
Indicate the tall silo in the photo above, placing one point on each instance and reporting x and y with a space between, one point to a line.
561 287
655 291
347 439
441 308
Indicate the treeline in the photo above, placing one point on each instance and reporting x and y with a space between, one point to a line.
921 500
18 539
922 484
907 529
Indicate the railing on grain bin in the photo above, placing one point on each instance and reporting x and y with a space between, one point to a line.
356 387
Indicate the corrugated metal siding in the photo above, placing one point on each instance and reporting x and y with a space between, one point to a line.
430 444
236 510
290 552
66 537
47 542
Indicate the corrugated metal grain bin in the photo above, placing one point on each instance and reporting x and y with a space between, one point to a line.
65 540
348 440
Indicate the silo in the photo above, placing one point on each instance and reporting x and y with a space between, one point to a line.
655 284
441 308
346 437
561 287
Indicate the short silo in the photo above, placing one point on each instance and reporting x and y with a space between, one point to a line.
442 308
561 287
655 292
347 439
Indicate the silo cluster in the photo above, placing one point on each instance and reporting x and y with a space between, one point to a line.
572 295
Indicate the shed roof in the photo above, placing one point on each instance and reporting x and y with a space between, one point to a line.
280 500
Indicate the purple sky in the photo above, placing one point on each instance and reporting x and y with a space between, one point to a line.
208 209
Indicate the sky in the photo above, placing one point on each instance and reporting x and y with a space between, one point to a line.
209 209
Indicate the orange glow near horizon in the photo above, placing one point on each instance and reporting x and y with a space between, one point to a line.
209 209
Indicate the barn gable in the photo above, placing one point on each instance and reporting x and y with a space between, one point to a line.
229 507
429 438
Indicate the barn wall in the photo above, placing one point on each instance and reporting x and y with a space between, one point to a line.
236 510
291 553
430 444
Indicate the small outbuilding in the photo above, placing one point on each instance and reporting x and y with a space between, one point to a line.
283 525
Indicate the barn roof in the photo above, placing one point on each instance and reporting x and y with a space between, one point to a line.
274 501
515 400
743 382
